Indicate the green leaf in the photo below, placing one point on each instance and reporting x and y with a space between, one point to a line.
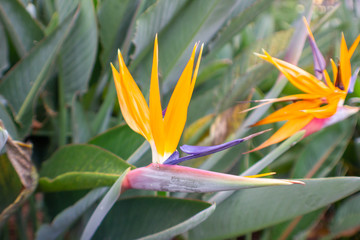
153 218
78 52
81 130
4 57
120 140
66 218
249 11
24 31
75 167
21 84
239 214
346 221
103 208
324 150
114 19
153 21
198 21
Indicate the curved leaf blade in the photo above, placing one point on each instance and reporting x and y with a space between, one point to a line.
276 204
80 167
155 218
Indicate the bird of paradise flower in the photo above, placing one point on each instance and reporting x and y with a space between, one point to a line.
322 102
163 129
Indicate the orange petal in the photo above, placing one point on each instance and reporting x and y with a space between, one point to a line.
294 110
301 79
156 119
176 112
288 129
354 45
132 103
345 66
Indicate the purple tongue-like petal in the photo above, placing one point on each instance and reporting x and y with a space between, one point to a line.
200 151
173 157
209 149
353 80
319 60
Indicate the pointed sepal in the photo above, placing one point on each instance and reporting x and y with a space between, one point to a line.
174 178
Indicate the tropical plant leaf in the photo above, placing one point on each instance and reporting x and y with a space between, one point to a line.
280 204
324 150
24 31
156 218
103 208
81 130
153 21
78 52
66 218
75 167
120 140
4 57
199 21
114 19
249 11
346 221
22 83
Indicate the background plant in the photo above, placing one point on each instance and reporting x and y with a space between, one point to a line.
57 92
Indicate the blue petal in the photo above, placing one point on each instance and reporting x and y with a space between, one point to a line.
163 112
353 80
200 151
319 60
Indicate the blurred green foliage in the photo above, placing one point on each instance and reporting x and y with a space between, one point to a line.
57 92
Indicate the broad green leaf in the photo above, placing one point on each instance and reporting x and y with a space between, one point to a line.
323 150
120 140
103 208
78 52
114 19
80 166
153 21
66 218
24 31
153 218
22 83
346 221
4 57
239 214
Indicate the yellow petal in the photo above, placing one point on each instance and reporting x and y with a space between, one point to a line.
294 110
132 103
334 69
354 45
156 119
301 79
176 112
288 129
345 67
